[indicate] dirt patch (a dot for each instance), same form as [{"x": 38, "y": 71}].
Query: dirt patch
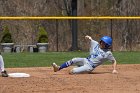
[{"x": 44, "y": 80}]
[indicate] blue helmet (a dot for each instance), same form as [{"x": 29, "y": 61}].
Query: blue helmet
[{"x": 107, "y": 40}]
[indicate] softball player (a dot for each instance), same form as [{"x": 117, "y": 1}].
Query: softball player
[
  {"x": 99, "y": 53},
  {"x": 3, "y": 72}
]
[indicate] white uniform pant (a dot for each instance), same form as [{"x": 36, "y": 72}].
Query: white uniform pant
[
  {"x": 83, "y": 65},
  {"x": 1, "y": 64}
]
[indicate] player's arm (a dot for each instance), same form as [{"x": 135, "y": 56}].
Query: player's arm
[
  {"x": 93, "y": 43},
  {"x": 114, "y": 67}
]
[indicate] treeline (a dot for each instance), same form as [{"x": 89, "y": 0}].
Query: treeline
[{"x": 125, "y": 33}]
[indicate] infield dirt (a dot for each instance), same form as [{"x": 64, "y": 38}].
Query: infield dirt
[{"x": 44, "y": 80}]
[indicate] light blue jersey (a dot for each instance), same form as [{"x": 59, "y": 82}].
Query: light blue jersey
[{"x": 98, "y": 55}]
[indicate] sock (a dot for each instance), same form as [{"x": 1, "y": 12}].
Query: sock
[{"x": 66, "y": 64}]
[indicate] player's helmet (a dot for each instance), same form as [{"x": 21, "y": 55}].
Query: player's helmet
[{"x": 107, "y": 40}]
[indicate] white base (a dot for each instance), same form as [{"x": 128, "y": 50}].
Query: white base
[{"x": 18, "y": 75}]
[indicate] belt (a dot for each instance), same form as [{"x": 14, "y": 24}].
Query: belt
[{"x": 91, "y": 63}]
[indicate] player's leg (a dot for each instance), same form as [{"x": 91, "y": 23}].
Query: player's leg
[
  {"x": 76, "y": 61},
  {"x": 3, "y": 72},
  {"x": 86, "y": 68},
  {"x": 1, "y": 64}
]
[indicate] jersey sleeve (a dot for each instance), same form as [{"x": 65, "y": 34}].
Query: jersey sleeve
[
  {"x": 110, "y": 57},
  {"x": 93, "y": 45}
]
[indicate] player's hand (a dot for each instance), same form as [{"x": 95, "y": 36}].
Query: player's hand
[
  {"x": 115, "y": 71},
  {"x": 88, "y": 37}
]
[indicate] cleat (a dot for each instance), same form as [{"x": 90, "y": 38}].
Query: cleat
[
  {"x": 4, "y": 74},
  {"x": 55, "y": 67}
]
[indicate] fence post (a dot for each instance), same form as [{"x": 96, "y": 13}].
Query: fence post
[
  {"x": 111, "y": 27},
  {"x": 57, "y": 35}
]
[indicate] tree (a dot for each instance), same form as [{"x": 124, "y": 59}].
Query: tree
[
  {"x": 42, "y": 35},
  {"x": 7, "y": 38}
]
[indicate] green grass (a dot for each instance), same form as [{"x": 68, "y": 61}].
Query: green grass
[
  {"x": 46, "y": 59},
  {"x": 127, "y": 57}
]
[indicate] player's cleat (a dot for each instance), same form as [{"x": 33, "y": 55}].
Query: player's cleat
[
  {"x": 55, "y": 67},
  {"x": 4, "y": 74}
]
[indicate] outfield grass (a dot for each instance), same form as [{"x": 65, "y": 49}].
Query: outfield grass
[
  {"x": 46, "y": 59},
  {"x": 127, "y": 57}
]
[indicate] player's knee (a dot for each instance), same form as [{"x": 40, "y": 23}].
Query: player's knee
[
  {"x": 73, "y": 71},
  {"x": 77, "y": 71},
  {"x": 74, "y": 59}
]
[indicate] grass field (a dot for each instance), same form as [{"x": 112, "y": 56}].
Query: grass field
[{"x": 46, "y": 59}]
